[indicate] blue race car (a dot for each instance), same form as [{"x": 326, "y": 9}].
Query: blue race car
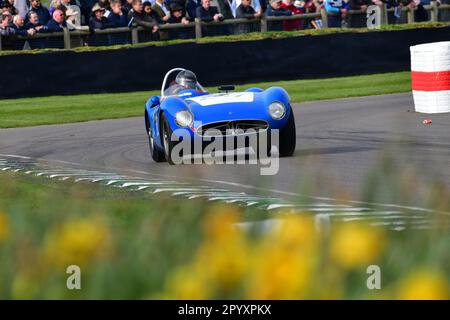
[{"x": 185, "y": 106}]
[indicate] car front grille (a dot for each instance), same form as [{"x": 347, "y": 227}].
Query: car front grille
[{"x": 232, "y": 128}]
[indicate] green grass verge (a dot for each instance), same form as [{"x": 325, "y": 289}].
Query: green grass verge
[
  {"x": 68, "y": 109},
  {"x": 247, "y": 37},
  {"x": 137, "y": 246}
]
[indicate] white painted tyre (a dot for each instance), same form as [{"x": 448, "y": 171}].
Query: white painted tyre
[{"x": 430, "y": 75}]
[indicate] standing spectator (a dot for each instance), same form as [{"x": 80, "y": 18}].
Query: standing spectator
[
  {"x": 19, "y": 25},
  {"x": 359, "y": 20},
  {"x": 5, "y": 21},
  {"x": 275, "y": 9},
  {"x": 340, "y": 8},
  {"x": 246, "y": 11},
  {"x": 56, "y": 4},
  {"x": 71, "y": 19},
  {"x": 138, "y": 17},
  {"x": 224, "y": 7},
  {"x": 148, "y": 11},
  {"x": 161, "y": 9},
  {"x": 176, "y": 14},
  {"x": 181, "y": 3},
  {"x": 33, "y": 22},
  {"x": 98, "y": 20},
  {"x": 57, "y": 23},
  {"x": 127, "y": 6},
  {"x": 8, "y": 7},
  {"x": 421, "y": 14},
  {"x": 191, "y": 8},
  {"x": 117, "y": 18},
  {"x": 105, "y": 5},
  {"x": 255, "y": 4},
  {"x": 86, "y": 7},
  {"x": 292, "y": 24},
  {"x": 42, "y": 12},
  {"x": 12, "y": 4},
  {"x": 6, "y": 31},
  {"x": 207, "y": 13}
]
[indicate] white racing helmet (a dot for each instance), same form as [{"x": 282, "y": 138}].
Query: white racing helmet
[{"x": 187, "y": 79}]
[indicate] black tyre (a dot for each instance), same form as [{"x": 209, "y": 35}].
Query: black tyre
[
  {"x": 288, "y": 137},
  {"x": 156, "y": 153},
  {"x": 166, "y": 134}
]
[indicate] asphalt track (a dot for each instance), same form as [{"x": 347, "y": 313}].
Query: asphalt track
[{"x": 339, "y": 142}]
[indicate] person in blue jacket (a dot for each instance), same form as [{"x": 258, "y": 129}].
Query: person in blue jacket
[
  {"x": 117, "y": 17},
  {"x": 340, "y": 9},
  {"x": 19, "y": 25},
  {"x": 57, "y": 23}
]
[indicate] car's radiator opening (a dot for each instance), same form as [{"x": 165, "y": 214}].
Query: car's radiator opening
[{"x": 233, "y": 127}]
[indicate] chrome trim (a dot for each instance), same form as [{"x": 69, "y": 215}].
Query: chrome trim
[{"x": 258, "y": 125}]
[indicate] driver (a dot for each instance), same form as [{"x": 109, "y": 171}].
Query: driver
[{"x": 186, "y": 80}]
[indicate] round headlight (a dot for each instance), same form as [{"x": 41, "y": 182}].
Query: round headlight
[
  {"x": 277, "y": 110},
  {"x": 184, "y": 118}
]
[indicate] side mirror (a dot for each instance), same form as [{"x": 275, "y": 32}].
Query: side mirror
[
  {"x": 226, "y": 88},
  {"x": 155, "y": 101}
]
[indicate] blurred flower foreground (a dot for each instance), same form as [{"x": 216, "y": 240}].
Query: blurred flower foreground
[{"x": 130, "y": 248}]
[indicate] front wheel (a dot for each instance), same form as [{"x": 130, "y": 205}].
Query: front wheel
[
  {"x": 288, "y": 137},
  {"x": 155, "y": 152},
  {"x": 166, "y": 132}
]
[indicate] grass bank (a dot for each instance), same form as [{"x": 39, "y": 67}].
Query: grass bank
[
  {"x": 67, "y": 109},
  {"x": 131, "y": 246}
]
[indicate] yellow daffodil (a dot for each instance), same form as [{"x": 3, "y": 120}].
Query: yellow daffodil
[
  {"x": 424, "y": 285},
  {"x": 223, "y": 264},
  {"x": 185, "y": 284},
  {"x": 220, "y": 223},
  {"x": 296, "y": 231},
  {"x": 353, "y": 245},
  {"x": 77, "y": 242},
  {"x": 279, "y": 274}
]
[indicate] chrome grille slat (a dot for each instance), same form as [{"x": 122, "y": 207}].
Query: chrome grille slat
[{"x": 223, "y": 126}]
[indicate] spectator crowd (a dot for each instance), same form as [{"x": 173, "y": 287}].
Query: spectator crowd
[{"x": 29, "y": 17}]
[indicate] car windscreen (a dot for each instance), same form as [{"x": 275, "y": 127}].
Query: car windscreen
[{"x": 172, "y": 88}]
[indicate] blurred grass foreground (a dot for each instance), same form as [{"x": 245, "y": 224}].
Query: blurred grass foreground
[{"x": 128, "y": 245}]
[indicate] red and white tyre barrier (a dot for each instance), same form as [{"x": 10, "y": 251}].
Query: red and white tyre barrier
[{"x": 430, "y": 77}]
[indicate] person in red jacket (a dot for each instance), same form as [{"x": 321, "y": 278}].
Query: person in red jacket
[{"x": 293, "y": 24}]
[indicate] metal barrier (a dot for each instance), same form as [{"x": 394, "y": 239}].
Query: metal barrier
[{"x": 82, "y": 36}]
